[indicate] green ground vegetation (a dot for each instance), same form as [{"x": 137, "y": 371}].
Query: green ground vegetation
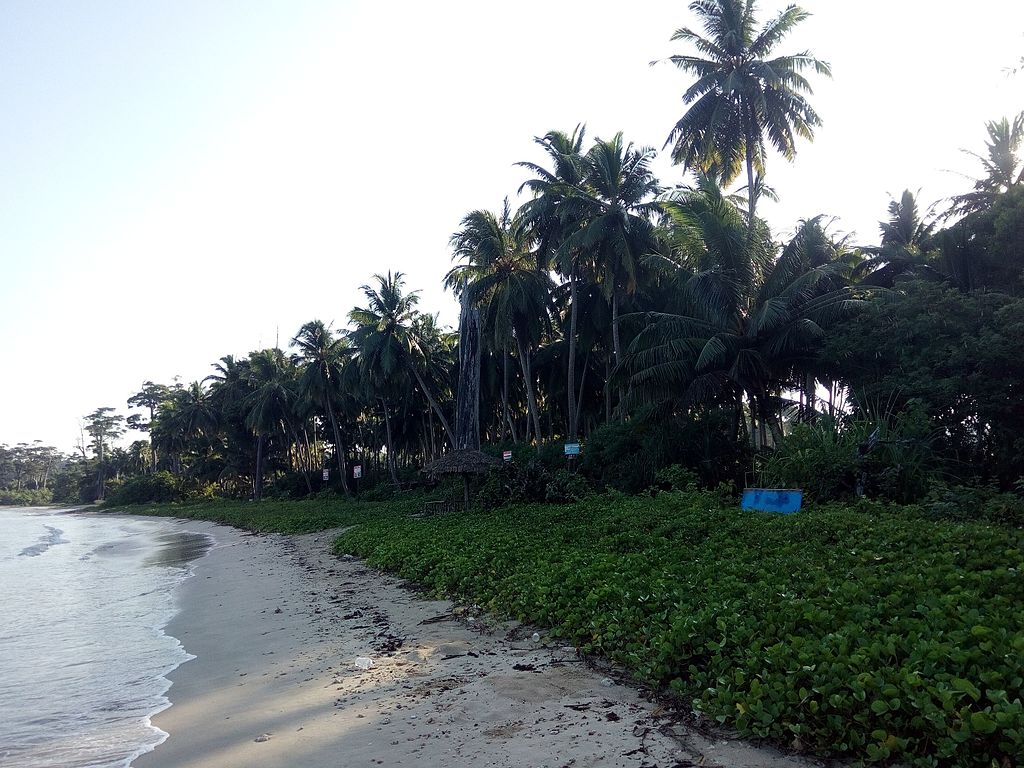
[{"x": 867, "y": 631}]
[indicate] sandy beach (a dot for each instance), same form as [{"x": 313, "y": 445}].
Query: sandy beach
[{"x": 276, "y": 624}]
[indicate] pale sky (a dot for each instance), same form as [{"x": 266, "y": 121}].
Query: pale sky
[{"x": 180, "y": 180}]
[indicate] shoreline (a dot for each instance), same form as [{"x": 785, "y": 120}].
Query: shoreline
[{"x": 275, "y": 624}]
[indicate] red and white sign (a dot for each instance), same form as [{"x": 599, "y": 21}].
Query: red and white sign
[{"x": 507, "y": 455}]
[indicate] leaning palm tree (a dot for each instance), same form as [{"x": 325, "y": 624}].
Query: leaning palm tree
[
  {"x": 322, "y": 354},
  {"x": 742, "y": 97},
  {"x": 500, "y": 275}
]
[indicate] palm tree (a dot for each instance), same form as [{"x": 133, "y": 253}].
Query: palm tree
[
  {"x": 743, "y": 325},
  {"x": 741, "y": 96},
  {"x": 903, "y": 251},
  {"x": 1002, "y": 164},
  {"x": 323, "y": 355},
  {"x": 502, "y": 278},
  {"x": 554, "y": 215},
  {"x": 617, "y": 214},
  {"x": 388, "y": 347},
  {"x": 269, "y": 406}
]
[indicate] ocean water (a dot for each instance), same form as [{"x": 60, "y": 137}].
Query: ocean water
[{"x": 83, "y": 656}]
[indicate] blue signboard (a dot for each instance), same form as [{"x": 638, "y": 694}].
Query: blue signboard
[
  {"x": 783, "y": 500},
  {"x": 572, "y": 449}
]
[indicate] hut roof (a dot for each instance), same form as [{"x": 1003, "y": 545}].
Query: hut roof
[{"x": 462, "y": 462}]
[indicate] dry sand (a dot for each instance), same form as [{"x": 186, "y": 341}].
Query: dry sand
[{"x": 276, "y": 624}]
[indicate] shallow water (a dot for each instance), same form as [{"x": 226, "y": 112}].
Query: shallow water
[{"x": 83, "y": 655}]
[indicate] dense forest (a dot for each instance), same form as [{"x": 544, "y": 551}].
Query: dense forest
[{"x": 660, "y": 327}]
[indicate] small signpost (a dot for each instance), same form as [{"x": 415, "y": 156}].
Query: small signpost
[
  {"x": 327, "y": 475},
  {"x": 357, "y": 471},
  {"x": 506, "y": 455},
  {"x": 572, "y": 449}
]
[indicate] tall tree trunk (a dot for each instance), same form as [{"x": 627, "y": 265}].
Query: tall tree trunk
[
  {"x": 751, "y": 194},
  {"x": 433, "y": 404},
  {"x": 339, "y": 449},
  {"x": 467, "y": 397},
  {"x": 579, "y": 400},
  {"x": 607, "y": 390},
  {"x": 504, "y": 398},
  {"x": 531, "y": 400},
  {"x": 257, "y": 480},
  {"x": 391, "y": 446},
  {"x": 433, "y": 438},
  {"x": 573, "y": 311},
  {"x": 615, "y": 326}
]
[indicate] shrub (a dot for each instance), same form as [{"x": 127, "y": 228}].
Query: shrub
[
  {"x": 676, "y": 478},
  {"x": 565, "y": 486},
  {"x": 146, "y": 489},
  {"x": 626, "y": 456},
  {"x": 985, "y": 504},
  {"x": 829, "y": 459},
  {"x": 514, "y": 482},
  {"x": 25, "y": 497}
]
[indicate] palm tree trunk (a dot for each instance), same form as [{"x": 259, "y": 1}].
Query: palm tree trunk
[
  {"x": 391, "y": 446},
  {"x": 573, "y": 310},
  {"x": 506, "y": 413},
  {"x": 531, "y": 400},
  {"x": 579, "y": 400},
  {"x": 339, "y": 449},
  {"x": 257, "y": 481},
  {"x": 751, "y": 195},
  {"x": 615, "y": 326},
  {"x": 607, "y": 390},
  {"x": 434, "y": 405}
]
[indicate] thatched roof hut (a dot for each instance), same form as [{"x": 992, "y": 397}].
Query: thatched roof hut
[{"x": 465, "y": 462}]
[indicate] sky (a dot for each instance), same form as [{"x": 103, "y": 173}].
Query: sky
[{"x": 182, "y": 180}]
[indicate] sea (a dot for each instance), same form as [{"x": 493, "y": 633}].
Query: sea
[{"x": 84, "y": 658}]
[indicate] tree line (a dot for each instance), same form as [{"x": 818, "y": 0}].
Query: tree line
[{"x": 610, "y": 302}]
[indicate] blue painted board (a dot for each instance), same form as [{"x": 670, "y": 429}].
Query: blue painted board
[
  {"x": 572, "y": 449},
  {"x": 783, "y": 500}
]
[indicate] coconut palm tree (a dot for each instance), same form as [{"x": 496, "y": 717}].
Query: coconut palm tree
[
  {"x": 617, "y": 212},
  {"x": 323, "y": 355},
  {"x": 500, "y": 274},
  {"x": 743, "y": 326},
  {"x": 389, "y": 349},
  {"x": 1002, "y": 163},
  {"x": 553, "y": 215},
  {"x": 903, "y": 252},
  {"x": 741, "y": 96},
  {"x": 270, "y": 406}
]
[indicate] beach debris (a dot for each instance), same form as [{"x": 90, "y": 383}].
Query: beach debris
[
  {"x": 536, "y": 637},
  {"x": 277, "y": 610},
  {"x": 364, "y": 662},
  {"x": 262, "y": 737},
  {"x": 607, "y": 682}
]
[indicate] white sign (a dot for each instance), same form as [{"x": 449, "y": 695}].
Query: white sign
[
  {"x": 357, "y": 471},
  {"x": 327, "y": 475}
]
